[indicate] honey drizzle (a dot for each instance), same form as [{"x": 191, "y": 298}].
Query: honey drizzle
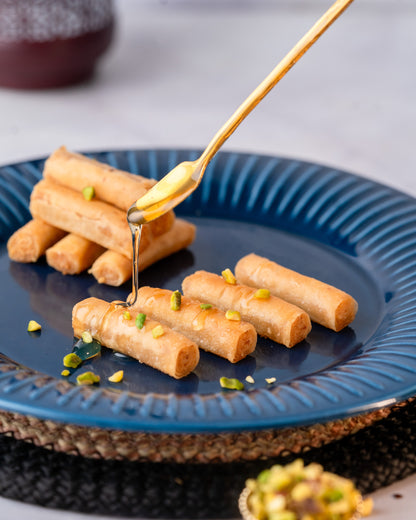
[{"x": 136, "y": 233}]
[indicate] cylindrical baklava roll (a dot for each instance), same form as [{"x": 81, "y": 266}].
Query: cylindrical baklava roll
[
  {"x": 92, "y": 219},
  {"x": 180, "y": 236},
  {"x": 73, "y": 254},
  {"x": 114, "y": 269},
  {"x": 208, "y": 328},
  {"x": 170, "y": 352},
  {"x": 111, "y": 185},
  {"x": 325, "y": 304},
  {"x": 117, "y": 187},
  {"x": 272, "y": 317},
  {"x": 31, "y": 241}
]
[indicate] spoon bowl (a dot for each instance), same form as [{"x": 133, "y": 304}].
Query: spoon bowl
[{"x": 170, "y": 191}]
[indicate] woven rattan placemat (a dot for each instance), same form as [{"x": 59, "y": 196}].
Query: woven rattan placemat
[
  {"x": 181, "y": 448},
  {"x": 375, "y": 456}
]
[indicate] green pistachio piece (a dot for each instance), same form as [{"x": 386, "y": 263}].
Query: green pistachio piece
[
  {"x": 175, "y": 301},
  {"x": 228, "y": 276},
  {"x": 88, "y": 378},
  {"x": 262, "y": 294},
  {"x": 86, "y": 337},
  {"x": 88, "y": 192},
  {"x": 140, "y": 319},
  {"x": 158, "y": 331},
  {"x": 233, "y": 315},
  {"x": 231, "y": 383},
  {"x": 333, "y": 495},
  {"x": 72, "y": 360}
]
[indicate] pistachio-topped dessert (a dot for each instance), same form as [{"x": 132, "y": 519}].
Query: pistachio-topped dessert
[{"x": 298, "y": 492}]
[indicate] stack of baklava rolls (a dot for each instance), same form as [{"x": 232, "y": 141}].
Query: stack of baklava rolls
[{"x": 79, "y": 221}]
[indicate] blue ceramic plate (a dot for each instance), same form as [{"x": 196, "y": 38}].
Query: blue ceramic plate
[{"x": 340, "y": 228}]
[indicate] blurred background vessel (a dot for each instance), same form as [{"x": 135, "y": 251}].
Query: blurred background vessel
[{"x": 52, "y": 43}]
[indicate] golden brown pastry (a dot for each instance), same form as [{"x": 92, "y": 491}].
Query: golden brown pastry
[
  {"x": 116, "y": 187},
  {"x": 272, "y": 317},
  {"x": 208, "y": 328},
  {"x": 95, "y": 220},
  {"x": 170, "y": 352},
  {"x": 325, "y": 304},
  {"x": 73, "y": 254},
  {"x": 114, "y": 269},
  {"x": 31, "y": 241}
]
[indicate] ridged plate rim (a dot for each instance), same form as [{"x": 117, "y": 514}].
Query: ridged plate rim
[{"x": 342, "y": 210}]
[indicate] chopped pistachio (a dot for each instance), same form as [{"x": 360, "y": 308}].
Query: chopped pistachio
[
  {"x": 231, "y": 383},
  {"x": 126, "y": 315},
  {"x": 140, "y": 319},
  {"x": 205, "y": 306},
  {"x": 65, "y": 372},
  {"x": 72, "y": 360},
  {"x": 270, "y": 380},
  {"x": 228, "y": 276},
  {"x": 158, "y": 331},
  {"x": 117, "y": 377},
  {"x": 333, "y": 495},
  {"x": 233, "y": 315},
  {"x": 262, "y": 294},
  {"x": 33, "y": 326},
  {"x": 250, "y": 379},
  {"x": 86, "y": 337},
  {"x": 88, "y": 192},
  {"x": 88, "y": 378},
  {"x": 263, "y": 476},
  {"x": 175, "y": 301}
]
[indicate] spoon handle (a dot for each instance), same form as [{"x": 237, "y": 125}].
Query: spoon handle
[{"x": 273, "y": 78}]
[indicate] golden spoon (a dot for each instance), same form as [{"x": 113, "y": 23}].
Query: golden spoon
[{"x": 186, "y": 176}]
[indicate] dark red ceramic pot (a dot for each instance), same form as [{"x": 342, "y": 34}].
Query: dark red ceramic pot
[{"x": 52, "y": 43}]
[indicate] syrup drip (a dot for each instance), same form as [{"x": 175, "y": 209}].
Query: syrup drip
[{"x": 136, "y": 232}]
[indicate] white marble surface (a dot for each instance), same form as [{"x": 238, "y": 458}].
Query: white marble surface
[{"x": 178, "y": 69}]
